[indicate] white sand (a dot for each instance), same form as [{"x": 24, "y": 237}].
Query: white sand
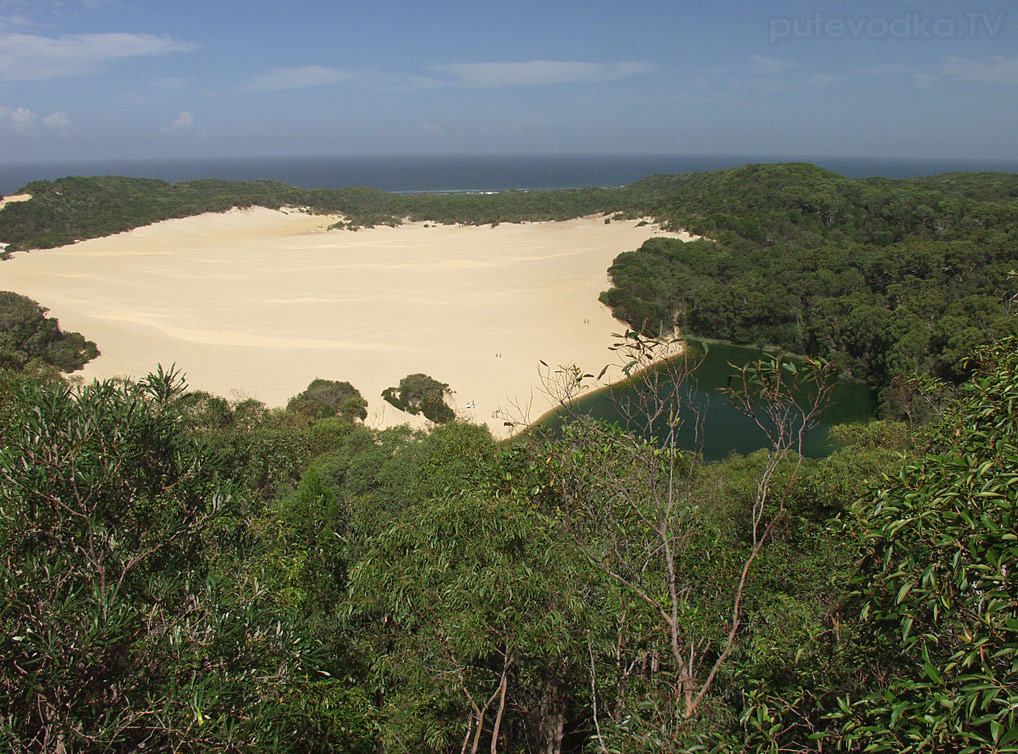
[
  {"x": 14, "y": 198},
  {"x": 257, "y": 303}
]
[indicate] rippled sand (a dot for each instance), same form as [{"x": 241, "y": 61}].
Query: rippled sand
[{"x": 257, "y": 303}]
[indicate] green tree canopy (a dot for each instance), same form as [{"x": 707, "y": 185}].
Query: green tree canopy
[
  {"x": 478, "y": 615},
  {"x": 420, "y": 394},
  {"x": 27, "y": 334},
  {"x": 325, "y": 398}
]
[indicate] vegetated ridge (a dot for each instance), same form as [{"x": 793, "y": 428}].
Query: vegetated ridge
[{"x": 887, "y": 278}]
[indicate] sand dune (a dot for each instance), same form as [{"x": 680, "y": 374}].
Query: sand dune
[
  {"x": 11, "y": 198},
  {"x": 257, "y": 303}
]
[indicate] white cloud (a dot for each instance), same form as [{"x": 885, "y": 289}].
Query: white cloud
[
  {"x": 21, "y": 118},
  {"x": 824, "y": 79},
  {"x": 996, "y": 70},
  {"x": 539, "y": 73},
  {"x": 889, "y": 70},
  {"x": 431, "y": 128},
  {"x": 755, "y": 67},
  {"x": 397, "y": 83},
  {"x": 918, "y": 77},
  {"x": 30, "y": 57},
  {"x": 759, "y": 73},
  {"x": 761, "y": 65},
  {"x": 42, "y": 12},
  {"x": 59, "y": 119},
  {"x": 56, "y": 5},
  {"x": 182, "y": 122},
  {"x": 304, "y": 77},
  {"x": 14, "y": 21},
  {"x": 475, "y": 75},
  {"x": 169, "y": 83}
]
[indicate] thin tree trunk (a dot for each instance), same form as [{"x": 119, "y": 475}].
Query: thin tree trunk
[
  {"x": 466, "y": 738},
  {"x": 593, "y": 697},
  {"x": 501, "y": 708}
]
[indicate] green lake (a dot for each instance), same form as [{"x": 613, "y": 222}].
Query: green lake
[{"x": 725, "y": 429}]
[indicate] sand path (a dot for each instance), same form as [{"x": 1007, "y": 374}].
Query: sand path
[
  {"x": 257, "y": 303},
  {"x": 10, "y": 199}
]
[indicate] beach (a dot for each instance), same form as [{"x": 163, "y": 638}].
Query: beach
[{"x": 257, "y": 303}]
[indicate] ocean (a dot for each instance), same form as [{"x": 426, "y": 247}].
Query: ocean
[{"x": 475, "y": 173}]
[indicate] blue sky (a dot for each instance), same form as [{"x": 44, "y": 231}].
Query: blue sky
[{"x": 93, "y": 79}]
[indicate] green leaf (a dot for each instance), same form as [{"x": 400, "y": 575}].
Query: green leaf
[
  {"x": 1011, "y": 735},
  {"x": 903, "y": 592},
  {"x": 933, "y": 674}
]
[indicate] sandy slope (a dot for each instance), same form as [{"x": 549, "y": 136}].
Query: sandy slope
[
  {"x": 10, "y": 199},
  {"x": 257, "y": 303}
]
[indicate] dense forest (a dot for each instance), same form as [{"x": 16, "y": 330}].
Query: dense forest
[
  {"x": 888, "y": 279},
  {"x": 29, "y": 340},
  {"x": 179, "y": 572}
]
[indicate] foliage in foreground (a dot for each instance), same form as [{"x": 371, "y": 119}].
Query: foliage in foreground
[
  {"x": 917, "y": 651},
  {"x": 480, "y": 612},
  {"x": 122, "y": 625},
  {"x": 190, "y": 574},
  {"x": 939, "y": 585}
]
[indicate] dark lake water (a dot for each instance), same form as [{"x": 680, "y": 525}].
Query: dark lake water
[{"x": 725, "y": 429}]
